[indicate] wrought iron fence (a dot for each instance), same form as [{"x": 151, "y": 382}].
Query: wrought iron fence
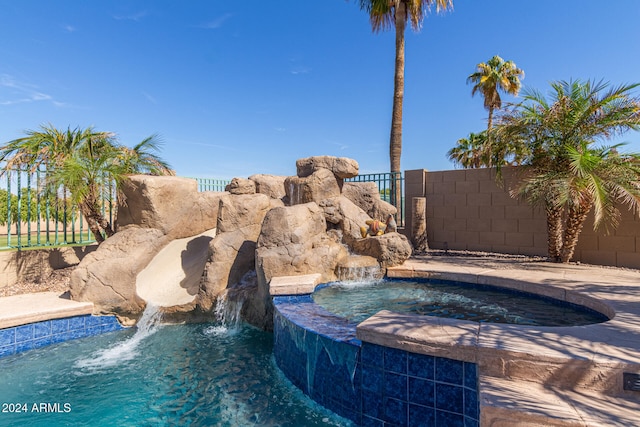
[
  {"x": 31, "y": 216},
  {"x": 391, "y": 188},
  {"x": 212, "y": 184}
]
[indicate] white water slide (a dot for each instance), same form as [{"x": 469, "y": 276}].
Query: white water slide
[{"x": 173, "y": 275}]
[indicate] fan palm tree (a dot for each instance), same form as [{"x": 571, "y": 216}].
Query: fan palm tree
[
  {"x": 387, "y": 14},
  {"x": 564, "y": 172},
  {"x": 384, "y": 15},
  {"x": 84, "y": 163},
  {"x": 494, "y": 76},
  {"x": 470, "y": 152}
]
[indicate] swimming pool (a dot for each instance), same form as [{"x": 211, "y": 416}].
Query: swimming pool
[
  {"x": 199, "y": 375},
  {"x": 356, "y": 301}
]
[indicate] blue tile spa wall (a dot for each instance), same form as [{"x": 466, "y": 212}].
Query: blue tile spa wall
[
  {"x": 370, "y": 384},
  {"x": 39, "y": 334}
]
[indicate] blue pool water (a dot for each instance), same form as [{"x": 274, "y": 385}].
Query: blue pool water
[
  {"x": 198, "y": 375},
  {"x": 358, "y": 301}
]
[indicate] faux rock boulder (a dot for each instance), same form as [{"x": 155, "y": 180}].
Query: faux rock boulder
[
  {"x": 390, "y": 249},
  {"x": 319, "y": 185},
  {"x": 241, "y": 186},
  {"x": 232, "y": 252},
  {"x": 167, "y": 203},
  {"x": 271, "y": 185},
  {"x": 155, "y": 211},
  {"x": 341, "y": 167},
  {"x": 367, "y": 197},
  {"x": 293, "y": 241},
  {"x": 107, "y": 277}
]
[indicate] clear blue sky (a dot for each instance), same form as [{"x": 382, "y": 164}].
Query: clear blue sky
[{"x": 236, "y": 88}]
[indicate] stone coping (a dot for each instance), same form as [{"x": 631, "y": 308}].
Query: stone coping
[
  {"x": 613, "y": 344},
  {"x": 294, "y": 285},
  {"x": 23, "y": 309}
]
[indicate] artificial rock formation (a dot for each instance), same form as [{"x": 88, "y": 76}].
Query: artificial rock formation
[
  {"x": 260, "y": 228},
  {"x": 152, "y": 213}
]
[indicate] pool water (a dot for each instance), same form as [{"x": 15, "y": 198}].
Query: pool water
[
  {"x": 197, "y": 375},
  {"x": 357, "y": 301}
]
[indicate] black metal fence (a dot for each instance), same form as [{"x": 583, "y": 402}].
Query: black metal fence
[{"x": 32, "y": 217}]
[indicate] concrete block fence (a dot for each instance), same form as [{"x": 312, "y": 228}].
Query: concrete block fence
[{"x": 467, "y": 210}]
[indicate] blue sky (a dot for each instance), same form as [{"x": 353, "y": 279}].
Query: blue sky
[{"x": 236, "y": 88}]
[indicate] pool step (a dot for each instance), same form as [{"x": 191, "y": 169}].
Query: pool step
[{"x": 507, "y": 403}]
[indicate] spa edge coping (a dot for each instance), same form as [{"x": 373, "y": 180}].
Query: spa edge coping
[
  {"x": 18, "y": 310},
  {"x": 597, "y": 354}
]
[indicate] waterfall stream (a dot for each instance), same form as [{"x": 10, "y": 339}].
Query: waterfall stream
[{"x": 147, "y": 325}]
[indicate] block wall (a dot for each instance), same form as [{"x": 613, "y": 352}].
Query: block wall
[{"x": 468, "y": 210}]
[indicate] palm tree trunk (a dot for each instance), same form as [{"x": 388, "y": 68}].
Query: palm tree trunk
[
  {"x": 91, "y": 222},
  {"x": 490, "y": 120},
  {"x": 576, "y": 217},
  {"x": 554, "y": 232},
  {"x": 395, "y": 142}
]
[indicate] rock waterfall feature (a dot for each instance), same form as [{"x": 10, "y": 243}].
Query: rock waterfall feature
[{"x": 183, "y": 250}]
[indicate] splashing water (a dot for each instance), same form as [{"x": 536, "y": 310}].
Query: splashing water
[{"x": 147, "y": 325}]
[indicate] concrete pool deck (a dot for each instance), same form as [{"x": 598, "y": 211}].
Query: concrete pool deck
[
  {"x": 23, "y": 309},
  {"x": 547, "y": 376}
]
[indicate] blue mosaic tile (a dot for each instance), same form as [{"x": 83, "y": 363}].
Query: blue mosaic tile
[
  {"x": 7, "y": 336},
  {"x": 449, "y": 370},
  {"x": 471, "y": 375},
  {"x": 471, "y": 407},
  {"x": 372, "y": 354},
  {"x": 395, "y": 360},
  {"x": 449, "y": 397},
  {"x": 58, "y": 338},
  {"x": 77, "y": 322},
  {"x": 389, "y": 387},
  {"x": 42, "y": 329},
  {"x": 372, "y": 379},
  {"x": 7, "y": 350},
  {"x": 396, "y": 411},
  {"x": 469, "y": 422},
  {"x": 420, "y": 365},
  {"x": 420, "y": 416},
  {"x": 395, "y": 385},
  {"x": 59, "y": 326},
  {"x": 371, "y": 422},
  {"x": 93, "y": 321},
  {"x": 371, "y": 404},
  {"x": 24, "y": 333},
  {"x": 422, "y": 392},
  {"x": 449, "y": 419}
]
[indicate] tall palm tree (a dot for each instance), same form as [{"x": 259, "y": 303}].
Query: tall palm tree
[
  {"x": 564, "y": 172},
  {"x": 387, "y": 14},
  {"x": 83, "y": 162},
  {"x": 384, "y": 15},
  {"x": 494, "y": 76}
]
